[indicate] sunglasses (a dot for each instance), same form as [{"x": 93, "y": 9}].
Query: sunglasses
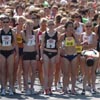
[
  {"x": 88, "y": 25},
  {"x": 77, "y": 17},
  {"x": 17, "y": 23},
  {"x": 5, "y": 21},
  {"x": 50, "y": 24},
  {"x": 70, "y": 26},
  {"x": 34, "y": 18}
]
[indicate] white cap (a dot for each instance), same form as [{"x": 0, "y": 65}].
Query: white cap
[
  {"x": 31, "y": 7},
  {"x": 3, "y": 16},
  {"x": 63, "y": 2}
]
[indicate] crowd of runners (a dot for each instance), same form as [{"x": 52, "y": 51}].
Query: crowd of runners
[{"x": 53, "y": 38}]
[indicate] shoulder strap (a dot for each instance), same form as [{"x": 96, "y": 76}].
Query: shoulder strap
[
  {"x": 25, "y": 36},
  {"x": 25, "y": 32},
  {"x": 65, "y": 36},
  {"x": 2, "y": 31}
]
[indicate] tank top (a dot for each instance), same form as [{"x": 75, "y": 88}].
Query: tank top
[
  {"x": 89, "y": 38},
  {"x": 31, "y": 40},
  {"x": 79, "y": 29},
  {"x": 51, "y": 42},
  {"x": 6, "y": 39},
  {"x": 19, "y": 40}
]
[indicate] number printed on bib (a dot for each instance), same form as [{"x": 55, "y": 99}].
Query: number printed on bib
[
  {"x": 6, "y": 40},
  {"x": 79, "y": 49},
  {"x": 69, "y": 41},
  {"x": 31, "y": 41},
  {"x": 50, "y": 43}
]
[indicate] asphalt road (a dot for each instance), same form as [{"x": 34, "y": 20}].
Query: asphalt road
[{"x": 56, "y": 94}]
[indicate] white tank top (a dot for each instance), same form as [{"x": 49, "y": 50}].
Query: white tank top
[
  {"x": 88, "y": 38},
  {"x": 79, "y": 29}
]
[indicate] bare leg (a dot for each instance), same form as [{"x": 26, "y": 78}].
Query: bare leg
[
  {"x": 40, "y": 70},
  {"x": 3, "y": 71},
  {"x": 10, "y": 65},
  {"x": 33, "y": 65},
  {"x": 73, "y": 73},
  {"x": 45, "y": 71},
  {"x": 26, "y": 65},
  {"x": 65, "y": 72},
  {"x": 51, "y": 71},
  {"x": 57, "y": 73}
]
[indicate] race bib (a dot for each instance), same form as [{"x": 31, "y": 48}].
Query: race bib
[
  {"x": 19, "y": 39},
  {"x": 79, "y": 49},
  {"x": 31, "y": 41},
  {"x": 50, "y": 43},
  {"x": 69, "y": 41},
  {"x": 6, "y": 40}
]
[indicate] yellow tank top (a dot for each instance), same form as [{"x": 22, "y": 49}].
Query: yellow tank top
[{"x": 69, "y": 41}]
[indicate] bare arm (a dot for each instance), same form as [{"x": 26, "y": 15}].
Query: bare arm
[
  {"x": 37, "y": 43},
  {"x": 0, "y": 38},
  {"x": 42, "y": 45},
  {"x": 95, "y": 30},
  {"x": 15, "y": 42}
]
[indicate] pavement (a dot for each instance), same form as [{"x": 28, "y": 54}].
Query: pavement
[{"x": 56, "y": 94}]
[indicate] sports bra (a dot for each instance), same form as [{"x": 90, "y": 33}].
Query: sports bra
[{"x": 69, "y": 41}]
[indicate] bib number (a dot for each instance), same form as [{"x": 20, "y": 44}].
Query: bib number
[
  {"x": 31, "y": 41},
  {"x": 50, "y": 43},
  {"x": 6, "y": 40},
  {"x": 79, "y": 49},
  {"x": 69, "y": 41}
]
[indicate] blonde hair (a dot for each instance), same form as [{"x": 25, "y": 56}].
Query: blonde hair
[
  {"x": 43, "y": 20},
  {"x": 21, "y": 18},
  {"x": 28, "y": 22},
  {"x": 63, "y": 20}
]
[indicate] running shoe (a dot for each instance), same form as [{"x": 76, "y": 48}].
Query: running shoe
[
  {"x": 50, "y": 92},
  {"x": 32, "y": 91},
  {"x": 93, "y": 91},
  {"x": 83, "y": 92},
  {"x": 3, "y": 92},
  {"x": 27, "y": 92},
  {"x": 46, "y": 92},
  {"x": 11, "y": 92}
]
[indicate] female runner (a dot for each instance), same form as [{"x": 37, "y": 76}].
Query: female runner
[
  {"x": 49, "y": 55},
  {"x": 69, "y": 56}
]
